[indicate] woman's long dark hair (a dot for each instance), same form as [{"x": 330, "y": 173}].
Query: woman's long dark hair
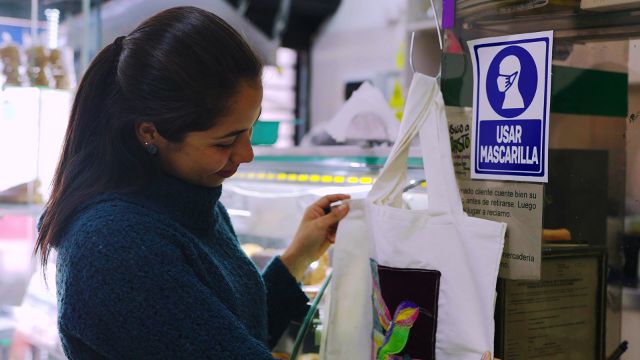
[{"x": 179, "y": 69}]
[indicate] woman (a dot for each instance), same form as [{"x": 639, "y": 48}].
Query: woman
[{"x": 148, "y": 263}]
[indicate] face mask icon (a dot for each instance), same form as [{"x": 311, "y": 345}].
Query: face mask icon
[{"x": 506, "y": 81}]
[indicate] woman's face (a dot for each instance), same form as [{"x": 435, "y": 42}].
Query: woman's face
[{"x": 208, "y": 157}]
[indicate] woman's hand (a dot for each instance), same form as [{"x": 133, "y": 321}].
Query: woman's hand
[
  {"x": 487, "y": 356},
  {"x": 317, "y": 231}
]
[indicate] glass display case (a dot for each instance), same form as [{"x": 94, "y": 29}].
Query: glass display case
[
  {"x": 32, "y": 126},
  {"x": 35, "y": 102},
  {"x": 266, "y": 200}
]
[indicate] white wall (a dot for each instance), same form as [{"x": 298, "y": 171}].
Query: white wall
[
  {"x": 356, "y": 15},
  {"x": 361, "y": 41}
]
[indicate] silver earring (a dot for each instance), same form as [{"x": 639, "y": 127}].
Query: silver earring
[{"x": 151, "y": 149}]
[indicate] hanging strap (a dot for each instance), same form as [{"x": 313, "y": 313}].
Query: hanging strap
[
  {"x": 424, "y": 116},
  {"x": 442, "y": 186}
]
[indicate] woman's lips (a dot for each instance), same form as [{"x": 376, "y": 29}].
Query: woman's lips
[{"x": 227, "y": 173}]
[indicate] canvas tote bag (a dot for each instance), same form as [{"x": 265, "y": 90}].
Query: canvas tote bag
[{"x": 414, "y": 284}]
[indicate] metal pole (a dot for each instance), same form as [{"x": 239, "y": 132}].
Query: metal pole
[
  {"x": 31, "y": 187},
  {"x": 243, "y": 6},
  {"x": 86, "y": 35},
  {"x": 98, "y": 8},
  {"x": 302, "y": 112},
  {"x": 34, "y": 20},
  {"x": 281, "y": 20}
]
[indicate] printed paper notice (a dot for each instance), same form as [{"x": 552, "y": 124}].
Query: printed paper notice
[
  {"x": 519, "y": 205},
  {"x": 555, "y": 318}
]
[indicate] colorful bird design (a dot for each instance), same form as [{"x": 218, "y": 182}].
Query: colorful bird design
[{"x": 390, "y": 334}]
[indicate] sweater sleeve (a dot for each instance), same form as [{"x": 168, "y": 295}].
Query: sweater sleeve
[
  {"x": 133, "y": 296},
  {"x": 285, "y": 299}
]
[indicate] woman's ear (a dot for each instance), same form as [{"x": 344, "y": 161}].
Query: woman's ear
[{"x": 146, "y": 133}]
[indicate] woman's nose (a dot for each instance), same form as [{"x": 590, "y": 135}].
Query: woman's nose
[{"x": 243, "y": 152}]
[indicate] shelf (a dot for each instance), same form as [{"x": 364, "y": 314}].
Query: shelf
[
  {"x": 567, "y": 25},
  {"x": 421, "y": 25},
  {"x": 118, "y": 17},
  {"x": 608, "y": 5},
  {"x": 330, "y": 151},
  {"x": 21, "y": 209},
  {"x": 565, "y": 17},
  {"x": 571, "y": 89},
  {"x": 631, "y": 298}
]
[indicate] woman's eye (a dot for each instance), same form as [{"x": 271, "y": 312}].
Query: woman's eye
[{"x": 224, "y": 146}]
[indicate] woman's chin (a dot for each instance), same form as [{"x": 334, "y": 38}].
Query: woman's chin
[{"x": 214, "y": 181}]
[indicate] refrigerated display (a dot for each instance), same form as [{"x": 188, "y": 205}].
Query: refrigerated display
[
  {"x": 32, "y": 126},
  {"x": 266, "y": 200}
]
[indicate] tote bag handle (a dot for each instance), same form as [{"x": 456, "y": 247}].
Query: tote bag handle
[{"x": 424, "y": 116}]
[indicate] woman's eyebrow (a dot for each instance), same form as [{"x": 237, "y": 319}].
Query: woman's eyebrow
[
  {"x": 238, "y": 132},
  {"x": 232, "y": 133}
]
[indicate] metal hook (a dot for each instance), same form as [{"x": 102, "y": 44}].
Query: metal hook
[
  {"x": 413, "y": 36},
  {"x": 435, "y": 15}
]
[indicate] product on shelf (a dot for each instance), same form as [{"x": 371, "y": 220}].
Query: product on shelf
[
  {"x": 38, "y": 66},
  {"x": 309, "y": 356},
  {"x": 22, "y": 194},
  {"x": 58, "y": 70},
  {"x": 556, "y": 235},
  {"x": 10, "y": 54},
  {"x": 42, "y": 67},
  {"x": 250, "y": 249},
  {"x": 317, "y": 272}
]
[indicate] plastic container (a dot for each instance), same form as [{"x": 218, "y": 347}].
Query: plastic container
[{"x": 265, "y": 133}]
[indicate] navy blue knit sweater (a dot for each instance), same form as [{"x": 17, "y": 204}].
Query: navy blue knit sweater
[{"x": 160, "y": 275}]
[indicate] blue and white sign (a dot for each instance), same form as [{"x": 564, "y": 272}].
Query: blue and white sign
[{"x": 511, "y": 94}]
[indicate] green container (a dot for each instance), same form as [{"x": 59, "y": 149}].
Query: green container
[{"x": 265, "y": 133}]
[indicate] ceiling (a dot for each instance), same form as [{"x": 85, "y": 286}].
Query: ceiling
[
  {"x": 22, "y": 8},
  {"x": 304, "y": 19}
]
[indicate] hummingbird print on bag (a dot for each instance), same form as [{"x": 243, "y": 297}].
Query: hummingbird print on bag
[{"x": 390, "y": 334}]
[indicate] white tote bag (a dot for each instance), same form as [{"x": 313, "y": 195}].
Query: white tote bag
[
  {"x": 347, "y": 318},
  {"x": 428, "y": 289}
]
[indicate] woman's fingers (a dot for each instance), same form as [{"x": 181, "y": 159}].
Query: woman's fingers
[
  {"x": 331, "y": 219},
  {"x": 327, "y": 200},
  {"x": 331, "y": 233}
]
